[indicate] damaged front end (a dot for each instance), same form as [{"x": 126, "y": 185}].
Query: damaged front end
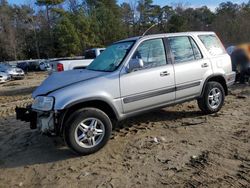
[
  {"x": 27, "y": 115},
  {"x": 47, "y": 122},
  {"x": 41, "y": 116}
]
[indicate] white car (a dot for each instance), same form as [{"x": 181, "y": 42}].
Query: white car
[
  {"x": 4, "y": 77},
  {"x": 60, "y": 65},
  {"x": 14, "y": 72}
]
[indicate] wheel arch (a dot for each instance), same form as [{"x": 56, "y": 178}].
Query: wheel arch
[
  {"x": 216, "y": 78},
  {"x": 95, "y": 103}
]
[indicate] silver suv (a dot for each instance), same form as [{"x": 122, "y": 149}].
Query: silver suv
[{"x": 130, "y": 77}]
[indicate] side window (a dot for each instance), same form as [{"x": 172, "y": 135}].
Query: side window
[
  {"x": 181, "y": 49},
  {"x": 152, "y": 52},
  {"x": 89, "y": 54},
  {"x": 212, "y": 44},
  {"x": 197, "y": 52}
]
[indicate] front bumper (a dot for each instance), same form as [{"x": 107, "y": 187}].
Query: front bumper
[
  {"x": 4, "y": 79},
  {"x": 49, "y": 123},
  {"x": 17, "y": 76},
  {"x": 27, "y": 115}
]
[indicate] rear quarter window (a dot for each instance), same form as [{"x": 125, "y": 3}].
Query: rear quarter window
[{"x": 212, "y": 44}]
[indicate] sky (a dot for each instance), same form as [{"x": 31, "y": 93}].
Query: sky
[{"x": 212, "y": 4}]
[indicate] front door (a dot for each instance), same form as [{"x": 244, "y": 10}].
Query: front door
[{"x": 152, "y": 85}]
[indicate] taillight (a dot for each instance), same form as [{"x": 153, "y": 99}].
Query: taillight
[{"x": 60, "y": 67}]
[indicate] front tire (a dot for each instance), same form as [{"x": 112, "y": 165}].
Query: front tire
[
  {"x": 212, "y": 99},
  {"x": 87, "y": 131}
]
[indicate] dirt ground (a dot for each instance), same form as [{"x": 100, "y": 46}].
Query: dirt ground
[{"x": 172, "y": 147}]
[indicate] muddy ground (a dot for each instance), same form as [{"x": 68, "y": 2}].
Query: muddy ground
[{"x": 172, "y": 147}]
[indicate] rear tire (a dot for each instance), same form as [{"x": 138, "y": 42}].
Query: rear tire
[
  {"x": 87, "y": 131},
  {"x": 212, "y": 99}
]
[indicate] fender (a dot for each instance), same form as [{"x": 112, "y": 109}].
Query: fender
[
  {"x": 93, "y": 99},
  {"x": 62, "y": 115},
  {"x": 215, "y": 76}
]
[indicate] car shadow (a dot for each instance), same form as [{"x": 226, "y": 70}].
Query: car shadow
[
  {"x": 35, "y": 149},
  {"x": 32, "y": 148}
]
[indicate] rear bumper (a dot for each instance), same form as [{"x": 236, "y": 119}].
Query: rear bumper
[
  {"x": 27, "y": 115},
  {"x": 230, "y": 78}
]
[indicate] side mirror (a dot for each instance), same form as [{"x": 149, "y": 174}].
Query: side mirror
[{"x": 135, "y": 64}]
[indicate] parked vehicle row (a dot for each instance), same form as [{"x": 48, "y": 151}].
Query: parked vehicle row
[
  {"x": 34, "y": 65},
  {"x": 58, "y": 64},
  {"x": 9, "y": 72}
]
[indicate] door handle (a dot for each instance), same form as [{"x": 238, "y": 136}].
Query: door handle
[
  {"x": 164, "y": 73},
  {"x": 204, "y": 65}
]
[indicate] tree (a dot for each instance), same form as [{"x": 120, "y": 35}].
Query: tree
[
  {"x": 106, "y": 22},
  {"x": 144, "y": 7},
  {"x": 49, "y": 4},
  {"x": 177, "y": 23},
  {"x": 56, "y": 30},
  {"x": 128, "y": 18},
  {"x": 227, "y": 23},
  {"x": 68, "y": 43},
  {"x": 84, "y": 28},
  {"x": 48, "y": 42}
]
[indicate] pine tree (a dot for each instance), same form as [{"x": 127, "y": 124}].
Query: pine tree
[{"x": 67, "y": 40}]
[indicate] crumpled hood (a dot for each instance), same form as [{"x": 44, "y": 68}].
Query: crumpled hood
[{"x": 63, "y": 79}]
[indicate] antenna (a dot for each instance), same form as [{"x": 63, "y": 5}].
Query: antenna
[{"x": 149, "y": 29}]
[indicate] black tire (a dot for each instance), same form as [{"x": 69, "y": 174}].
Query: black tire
[
  {"x": 73, "y": 123},
  {"x": 203, "y": 101}
]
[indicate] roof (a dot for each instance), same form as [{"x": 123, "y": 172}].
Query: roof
[{"x": 168, "y": 35}]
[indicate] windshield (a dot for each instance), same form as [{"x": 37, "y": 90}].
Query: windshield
[{"x": 111, "y": 58}]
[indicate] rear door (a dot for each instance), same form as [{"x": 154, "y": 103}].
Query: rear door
[
  {"x": 152, "y": 85},
  {"x": 190, "y": 66},
  {"x": 221, "y": 61}
]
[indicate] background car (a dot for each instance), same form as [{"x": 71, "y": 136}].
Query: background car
[
  {"x": 23, "y": 65},
  {"x": 14, "y": 72},
  {"x": 4, "y": 77},
  {"x": 80, "y": 62},
  {"x": 45, "y": 66}
]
